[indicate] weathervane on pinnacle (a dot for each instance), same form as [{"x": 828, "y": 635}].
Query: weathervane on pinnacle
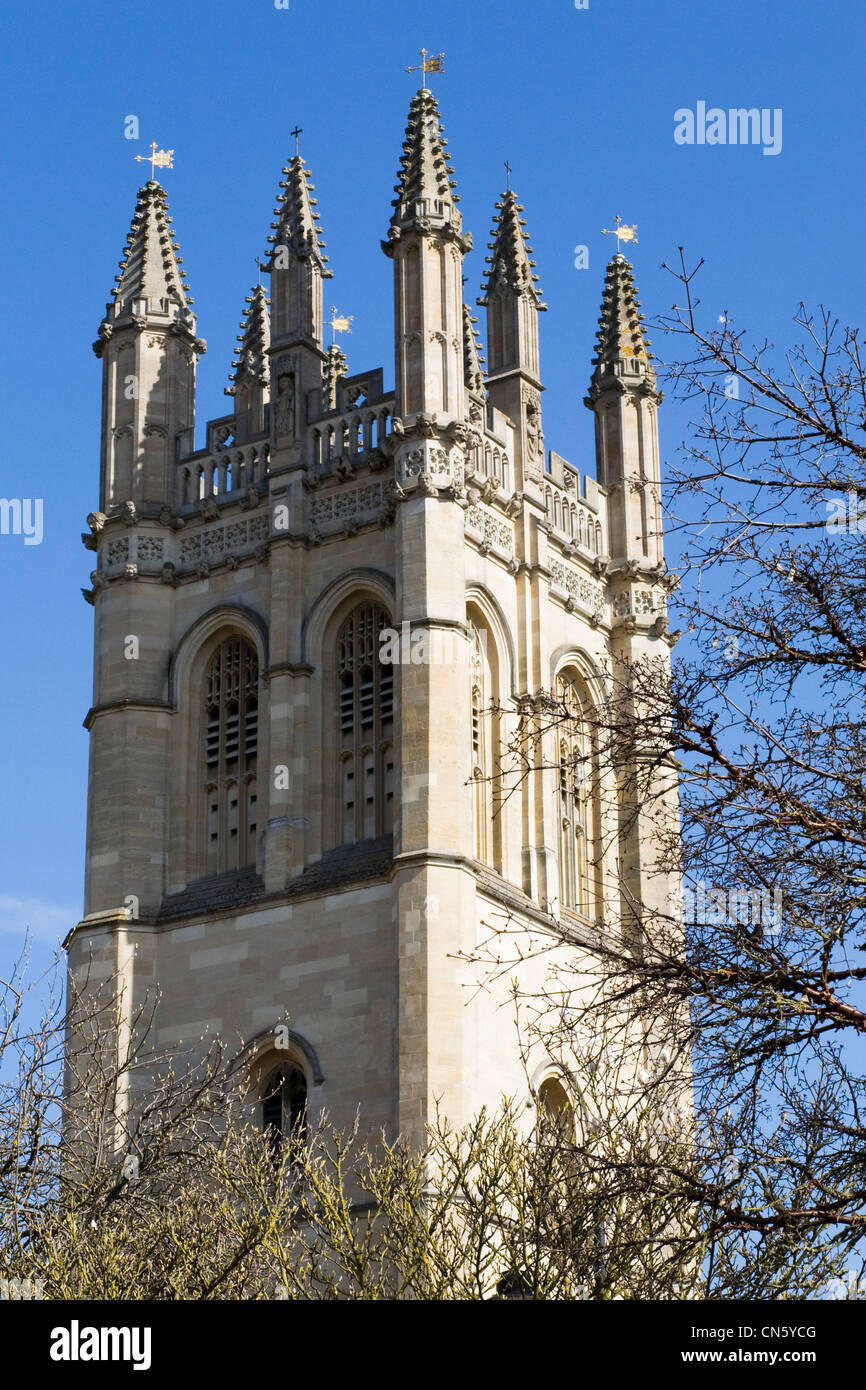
[
  {"x": 157, "y": 159},
  {"x": 340, "y": 323},
  {"x": 621, "y": 232},
  {"x": 431, "y": 64}
]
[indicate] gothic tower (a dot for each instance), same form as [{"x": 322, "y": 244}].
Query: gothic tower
[{"x": 315, "y": 636}]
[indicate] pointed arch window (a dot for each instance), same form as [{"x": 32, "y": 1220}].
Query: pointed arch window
[
  {"x": 283, "y": 1106},
  {"x": 231, "y": 730},
  {"x": 366, "y": 727},
  {"x": 485, "y": 762},
  {"x": 577, "y": 798},
  {"x": 480, "y": 777}
]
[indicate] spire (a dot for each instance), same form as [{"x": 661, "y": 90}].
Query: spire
[
  {"x": 427, "y": 244},
  {"x": 512, "y": 298},
  {"x": 251, "y": 364},
  {"x": 298, "y": 266},
  {"x": 148, "y": 346},
  {"x": 624, "y": 399},
  {"x": 473, "y": 358},
  {"x": 297, "y": 222},
  {"x": 510, "y": 264},
  {"x": 425, "y": 192},
  {"x": 151, "y": 268},
  {"x": 622, "y": 347}
]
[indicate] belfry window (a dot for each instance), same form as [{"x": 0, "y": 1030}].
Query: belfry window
[
  {"x": 231, "y": 727},
  {"x": 577, "y": 800},
  {"x": 365, "y": 716}
]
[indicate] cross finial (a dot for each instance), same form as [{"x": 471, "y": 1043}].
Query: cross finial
[
  {"x": 508, "y": 175},
  {"x": 429, "y": 64},
  {"x": 621, "y": 232},
  {"x": 156, "y": 159},
  {"x": 297, "y": 132}
]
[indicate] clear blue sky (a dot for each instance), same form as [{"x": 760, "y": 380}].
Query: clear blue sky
[{"x": 580, "y": 101}]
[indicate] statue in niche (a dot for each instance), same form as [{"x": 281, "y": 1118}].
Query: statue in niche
[
  {"x": 285, "y": 411},
  {"x": 534, "y": 440},
  {"x": 533, "y": 432}
]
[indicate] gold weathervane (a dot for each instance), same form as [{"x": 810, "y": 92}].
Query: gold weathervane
[
  {"x": 621, "y": 232},
  {"x": 157, "y": 159},
  {"x": 340, "y": 323},
  {"x": 431, "y": 64}
]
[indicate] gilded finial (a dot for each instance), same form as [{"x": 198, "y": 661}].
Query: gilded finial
[
  {"x": 157, "y": 159},
  {"x": 429, "y": 64},
  {"x": 621, "y": 232}
]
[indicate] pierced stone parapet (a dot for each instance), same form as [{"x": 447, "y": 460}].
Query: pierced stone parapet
[
  {"x": 578, "y": 590},
  {"x": 640, "y": 603},
  {"x": 334, "y": 510},
  {"x": 490, "y": 531}
]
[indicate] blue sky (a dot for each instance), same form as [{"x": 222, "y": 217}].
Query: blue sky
[{"x": 581, "y": 102}]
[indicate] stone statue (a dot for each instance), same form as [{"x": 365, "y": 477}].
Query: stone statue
[{"x": 285, "y": 413}]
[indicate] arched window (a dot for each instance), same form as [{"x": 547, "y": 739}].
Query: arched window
[
  {"x": 284, "y": 1106},
  {"x": 485, "y": 760},
  {"x": 555, "y": 1110},
  {"x": 231, "y": 727},
  {"x": 481, "y": 785},
  {"x": 366, "y": 726},
  {"x": 577, "y": 799}
]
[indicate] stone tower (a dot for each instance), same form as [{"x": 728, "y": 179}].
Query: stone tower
[{"x": 315, "y": 635}]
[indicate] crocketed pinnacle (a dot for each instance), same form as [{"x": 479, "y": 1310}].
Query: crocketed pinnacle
[
  {"x": 510, "y": 261},
  {"x": 622, "y": 347},
  {"x": 335, "y": 369},
  {"x": 473, "y": 358},
  {"x": 297, "y": 222},
  {"x": 251, "y": 354},
  {"x": 151, "y": 267},
  {"x": 425, "y": 188}
]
